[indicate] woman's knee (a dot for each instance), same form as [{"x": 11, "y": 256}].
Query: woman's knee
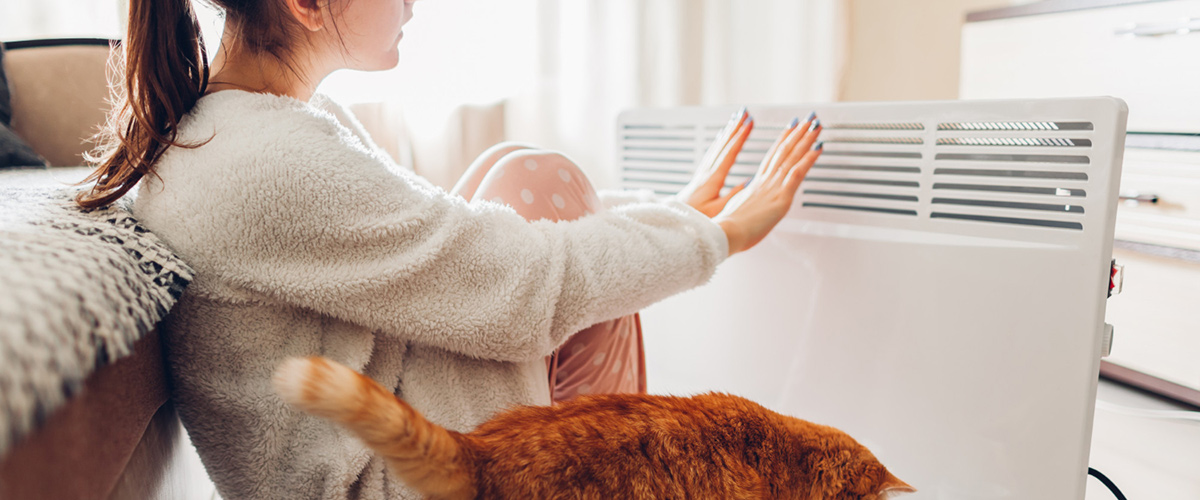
[
  {"x": 493, "y": 154},
  {"x": 541, "y": 162},
  {"x": 540, "y": 184},
  {"x": 483, "y": 164}
]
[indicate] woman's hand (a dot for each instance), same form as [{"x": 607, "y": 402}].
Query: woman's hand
[
  {"x": 704, "y": 191},
  {"x": 753, "y": 212}
]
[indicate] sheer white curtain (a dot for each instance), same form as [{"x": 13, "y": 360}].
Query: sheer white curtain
[
  {"x": 597, "y": 57},
  {"x": 564, "y": 69},
  {"x": 31, "y": 19}
]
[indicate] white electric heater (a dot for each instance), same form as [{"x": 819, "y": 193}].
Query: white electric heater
[{"x": 937, "y": 290}]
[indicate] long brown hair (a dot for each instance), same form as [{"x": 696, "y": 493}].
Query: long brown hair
[
  {"x": 156, "y": 77},
  {"x": 165, "y": 71}
]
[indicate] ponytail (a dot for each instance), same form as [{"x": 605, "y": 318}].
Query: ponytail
[{"x": 165, "y": 69}]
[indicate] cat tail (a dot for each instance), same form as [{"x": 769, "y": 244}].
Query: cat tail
[{"x": 428, "y": 458}]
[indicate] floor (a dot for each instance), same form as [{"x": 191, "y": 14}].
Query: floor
[{"x": 1147, "y": 458}]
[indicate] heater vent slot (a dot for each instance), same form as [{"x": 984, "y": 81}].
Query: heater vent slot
[
  {"x": 666, "y": 159},
  {"x": 1016, "y": 174},
  {"x": 868, "y": 168},
  {"x": 852, "y": 194},
  {"x": 1070, "y": 159},
  {"x": 664, "y": 147},
  {"x": 1047, "y": 191},
  {"x": 1054, "y": 142},
  {"x": 1009, "y": 220},
  {"x": 874, "y": 140},
  {"x": 873, "y": 182},
  {"x": 872, "y": 154},
  {"x": 1010, "y": 204},
  {"x": 858, "y": 208},
  {"x": 1015, "y": 126},
  {"x": 874, "y": 126}
]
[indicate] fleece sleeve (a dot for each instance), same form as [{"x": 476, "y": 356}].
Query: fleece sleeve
[
  {"x": 323, "y": 224},
  {"x": 611, "y": 198}
]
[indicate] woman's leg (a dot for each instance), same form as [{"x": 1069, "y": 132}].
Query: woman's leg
[
  {"x": 470, "y": 180},
  {"x": 604, "y": 358}
]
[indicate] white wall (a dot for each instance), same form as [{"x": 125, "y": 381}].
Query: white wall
[{"x": 906, "y": 49}]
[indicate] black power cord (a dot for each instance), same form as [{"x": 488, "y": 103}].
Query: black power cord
[{"x": 1107, "y": 482}]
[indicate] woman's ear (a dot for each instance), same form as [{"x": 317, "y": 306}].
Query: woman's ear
[{"x": 307, "y": 13}]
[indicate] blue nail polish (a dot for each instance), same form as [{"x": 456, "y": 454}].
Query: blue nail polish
[
  {"x": 747, "y": 183},
  {"x": 795, "y": 121},
  {"x": 819, "y": 146},
  {"x": 815, "y": 124},
  {"x": 810, "y": 116},
  {"x": 750, "y": 121}
]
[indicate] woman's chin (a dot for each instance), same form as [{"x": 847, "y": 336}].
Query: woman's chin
[{"x": 391, "y": 59}]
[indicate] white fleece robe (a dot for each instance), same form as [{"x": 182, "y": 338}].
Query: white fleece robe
[{"x": 307, "y": 240}]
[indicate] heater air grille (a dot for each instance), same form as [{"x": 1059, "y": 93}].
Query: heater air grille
[{"x": 1030, "y": 174}]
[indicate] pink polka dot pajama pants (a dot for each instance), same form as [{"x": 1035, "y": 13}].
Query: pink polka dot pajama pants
[{"x": 605, "y": 358}]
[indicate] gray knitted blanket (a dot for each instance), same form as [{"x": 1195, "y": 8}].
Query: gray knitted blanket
[{"x": 77, "y": 289}]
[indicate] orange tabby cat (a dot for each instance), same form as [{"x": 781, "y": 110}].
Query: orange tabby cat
[{"x": 599, "y": 447}]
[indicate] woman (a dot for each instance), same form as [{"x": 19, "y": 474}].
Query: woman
[{"x": 305, "y": 240}]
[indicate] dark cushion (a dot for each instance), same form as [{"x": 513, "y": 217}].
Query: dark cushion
[
  {"x": 5, "y": 97},
  {"x": 14, "y": 151}
]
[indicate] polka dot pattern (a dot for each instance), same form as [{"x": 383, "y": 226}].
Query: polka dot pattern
[{"x": 601, "y": 359}]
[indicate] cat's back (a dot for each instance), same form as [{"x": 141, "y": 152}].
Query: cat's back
[
  {"x": 616, "y": 415},
  {"x": 631, "y": 446}
]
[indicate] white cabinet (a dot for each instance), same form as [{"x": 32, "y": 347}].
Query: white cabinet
[
  {"x": 1143, "y": 53},
  {"x": 1148, "y": 54}
]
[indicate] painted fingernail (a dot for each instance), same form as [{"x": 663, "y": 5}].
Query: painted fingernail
[
  {"x": 819, "y": 146},
  {"x": 815, "y": 124},
  {"x": 795, "y": 121},
  {"x": 747, "y": 183},
  {"x": 750, "y": 121},
  {"x": 811, "y": 116}
]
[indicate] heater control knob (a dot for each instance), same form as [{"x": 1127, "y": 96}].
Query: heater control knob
[{"x": 1106, "y": 341}]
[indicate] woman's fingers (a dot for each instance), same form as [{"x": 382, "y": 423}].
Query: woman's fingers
[
  {"x": 785, "y": 146},
  {"x": 768, "y": 161},
  {"x": 786, "y": 151},
  {"x": 724, "y": 137},
  {"x": 801, "y": 168},
  {"x": 730, "y": 153},
  {"x": 804, "y": 145}
]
